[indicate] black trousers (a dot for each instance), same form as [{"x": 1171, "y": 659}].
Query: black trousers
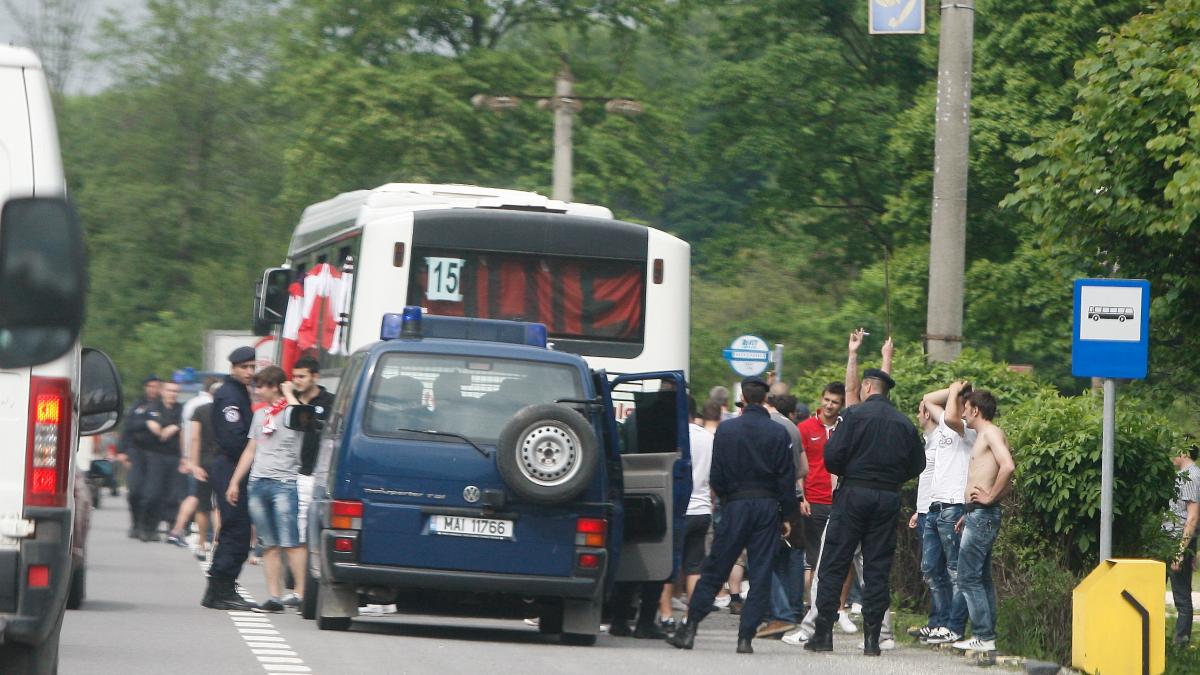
[
  {"x": 860, "y": 516},
  {"x": 647, "y": 609},
  {"x": 753, "y": 525},
  {"x": 133, "y": 484},
  {"x": 1181, "y": 592},
  {"x": 157, "y": 481},
  {"x": 233, "y": 543}
]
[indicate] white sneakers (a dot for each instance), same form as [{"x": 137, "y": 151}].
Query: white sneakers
[
  {"x": 887, "y": 644},
  {"x": 941, "y": 635},
  {"x": 856, "y": 609},
  {"x": 976, "y": 645},
  {"x": 796, "y": 637},
  {"x": 845, "y": 623},
  {"x": 721, "y": 601}
]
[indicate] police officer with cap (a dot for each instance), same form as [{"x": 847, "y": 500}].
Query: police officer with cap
[
  {"x": 875, "y": 449},
  {"x": 231, "y": 415},
  {"x": 754, "y": 476}
]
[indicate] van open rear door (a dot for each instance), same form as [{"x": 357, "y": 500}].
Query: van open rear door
[{"x": 656, "y": 468}]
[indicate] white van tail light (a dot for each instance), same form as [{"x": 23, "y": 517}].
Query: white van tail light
[{"x": 49, "y": 452}]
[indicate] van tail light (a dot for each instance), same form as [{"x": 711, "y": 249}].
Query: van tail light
[
  {"x": 346, "y": 515},
  {"x": 591, "y": 532},
  {"x": 48, "y": 453}
]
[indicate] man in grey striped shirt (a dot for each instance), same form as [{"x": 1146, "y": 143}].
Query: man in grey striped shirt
[{"x": 1182, "y": 521}]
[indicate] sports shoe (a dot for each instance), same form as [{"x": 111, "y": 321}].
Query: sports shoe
[
  {"x": 856, "y": 609},
  {"x": 271, "y": 606},
  {"x": 976, "y": 645},
  {"x": 377, "y": 610},
  {"x": 680, "y": 605},
  {"x": 922, "y": 632},
  {"x": 845, "y": 623},
  {"x": 941, "y": 636},
  {"x": 721, "y": 602},
  {"x": 291, "y": 600},
  {"x": 735, "y": 605},
  {"x": 176, "y": 539},
  {"x": 887, "y": 644},
  {"x": 668, "y": 625},
  {"x": 796, "y": 637}
]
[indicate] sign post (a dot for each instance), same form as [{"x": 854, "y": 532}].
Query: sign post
[
  {"x": 1111, "y": 340},
  {"x": 748, "y": 355}
]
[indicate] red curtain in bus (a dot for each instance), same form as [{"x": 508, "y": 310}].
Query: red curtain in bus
[{"x": 574, "y": 298}]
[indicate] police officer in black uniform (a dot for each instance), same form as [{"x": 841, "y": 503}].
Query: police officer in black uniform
[
  {"x": 231, "y": 415},
  {"x": 134, "y": 439},
  {"x": 875, "y": 449},
  {"x": 754, "y": 476}
]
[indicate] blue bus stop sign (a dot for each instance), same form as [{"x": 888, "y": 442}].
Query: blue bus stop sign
[{"x": 1112, "y": 328}]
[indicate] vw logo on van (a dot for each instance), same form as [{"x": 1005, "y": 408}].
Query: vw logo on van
[{"x": 471, "y": 494}]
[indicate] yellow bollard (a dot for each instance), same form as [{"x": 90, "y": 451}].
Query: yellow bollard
[{"x": 1119, "y": 619}]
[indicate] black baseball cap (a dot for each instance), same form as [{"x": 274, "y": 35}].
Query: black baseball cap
[
  {"x": 754, "y": 379},
  {"x": 151, "y": 378}
]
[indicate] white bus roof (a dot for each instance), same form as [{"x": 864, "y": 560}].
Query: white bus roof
[
  {"x": 399, "y": 197},
  {"x": 12, "y": 56}
]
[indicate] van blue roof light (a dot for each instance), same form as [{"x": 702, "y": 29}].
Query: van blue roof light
[
  {"x": 410, "y": 322},
  {"x": 406, "y": 324}
]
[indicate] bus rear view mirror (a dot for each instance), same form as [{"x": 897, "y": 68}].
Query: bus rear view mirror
[
  {"x": 42, "y": 280},
  {"x": 271, "y": 298}
]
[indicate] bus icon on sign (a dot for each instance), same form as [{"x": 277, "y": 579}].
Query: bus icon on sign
[{"x": 1121, "y": 314}]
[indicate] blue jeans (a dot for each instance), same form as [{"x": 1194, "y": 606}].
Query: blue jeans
[
  {"x": 975, "y": 569},
  {"x": 933, "y": 570},
  {"x": 274, "y": 509},
  {"x": 955, "y": 613},
  {"x": 787, "y": 585}
]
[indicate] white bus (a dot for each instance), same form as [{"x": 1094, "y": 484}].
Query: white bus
[{"x": 616, "y": 293}]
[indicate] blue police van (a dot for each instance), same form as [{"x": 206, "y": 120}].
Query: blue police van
[{"x": 467, "y": 469}]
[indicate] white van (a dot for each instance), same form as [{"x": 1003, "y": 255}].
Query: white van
[{"x": 51, "y": 390}]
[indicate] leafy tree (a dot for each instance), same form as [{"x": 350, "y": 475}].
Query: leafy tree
[{"x": 1121, "y": 182}]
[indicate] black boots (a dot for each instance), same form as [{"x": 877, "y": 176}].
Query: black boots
[
  {"x": 222, "y": 594},
  {"x": 744, "y": 646},
  {"x": 685, "y": 635},
  {"x": 821, "y": 640},
  {"x": 871, "y": 639}
]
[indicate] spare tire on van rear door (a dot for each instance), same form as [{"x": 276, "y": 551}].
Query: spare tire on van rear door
[{"x": 547, "y": 453}]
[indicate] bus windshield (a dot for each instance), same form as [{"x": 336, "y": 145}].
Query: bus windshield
[{"x": 578, "y": 298}]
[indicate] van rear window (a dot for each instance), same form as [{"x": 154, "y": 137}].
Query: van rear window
[{"x": 471, "y": 396}]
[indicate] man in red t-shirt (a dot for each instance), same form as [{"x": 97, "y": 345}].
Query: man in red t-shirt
[{"x": 818, "y": 484}]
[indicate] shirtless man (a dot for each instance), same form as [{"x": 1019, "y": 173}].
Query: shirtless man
[{"x": 988, "y": 478}]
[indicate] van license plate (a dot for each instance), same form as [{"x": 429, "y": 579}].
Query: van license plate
[{"x": 461, "y": 526}]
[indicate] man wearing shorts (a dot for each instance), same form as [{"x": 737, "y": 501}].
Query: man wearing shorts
[{"x": 272, "y": 459}]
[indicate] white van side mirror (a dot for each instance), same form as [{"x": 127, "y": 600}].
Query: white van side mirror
[
  {"x": 99, "y": 393},
  {"x": 42, "y": 280},
  {"x": 271, "y": 299}
]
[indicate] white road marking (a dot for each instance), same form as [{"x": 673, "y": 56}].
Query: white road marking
[{"x": 265, "y": 643}]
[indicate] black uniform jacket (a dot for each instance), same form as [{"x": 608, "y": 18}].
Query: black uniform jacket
[
  {"x": 875, "y": 442},
  {"x": 753, "y": 452},
  {"x": 231, "y": 416}
]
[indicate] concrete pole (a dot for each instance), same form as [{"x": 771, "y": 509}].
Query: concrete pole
[
  {"x": 563, "y": 110},
  {"x": 948, "y": 231},
  {"x": 1106, "y": 468}
]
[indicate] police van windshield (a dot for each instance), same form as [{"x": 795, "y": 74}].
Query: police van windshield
[{"x": 471, "y": 396}]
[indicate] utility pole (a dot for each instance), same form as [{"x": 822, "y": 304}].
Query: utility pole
[
  {"x": 565, "y": 105},
  {"x": 563, "y": 151},
  {"x": 948, "y": 230}
]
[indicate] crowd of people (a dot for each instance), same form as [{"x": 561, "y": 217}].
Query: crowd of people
[
  {"x": 226, "y": 461},
  {"x": 807, "y": 506},
  {"x": 799, "y": 505}
]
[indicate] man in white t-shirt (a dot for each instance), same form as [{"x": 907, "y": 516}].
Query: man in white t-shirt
[
  {"x": 699, "y": 510},
  {"x": 952, "y": 441},
  {"x": 933, "y": 560}
]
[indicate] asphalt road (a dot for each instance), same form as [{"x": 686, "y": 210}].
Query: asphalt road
[{"x": 142, "y": 615}]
